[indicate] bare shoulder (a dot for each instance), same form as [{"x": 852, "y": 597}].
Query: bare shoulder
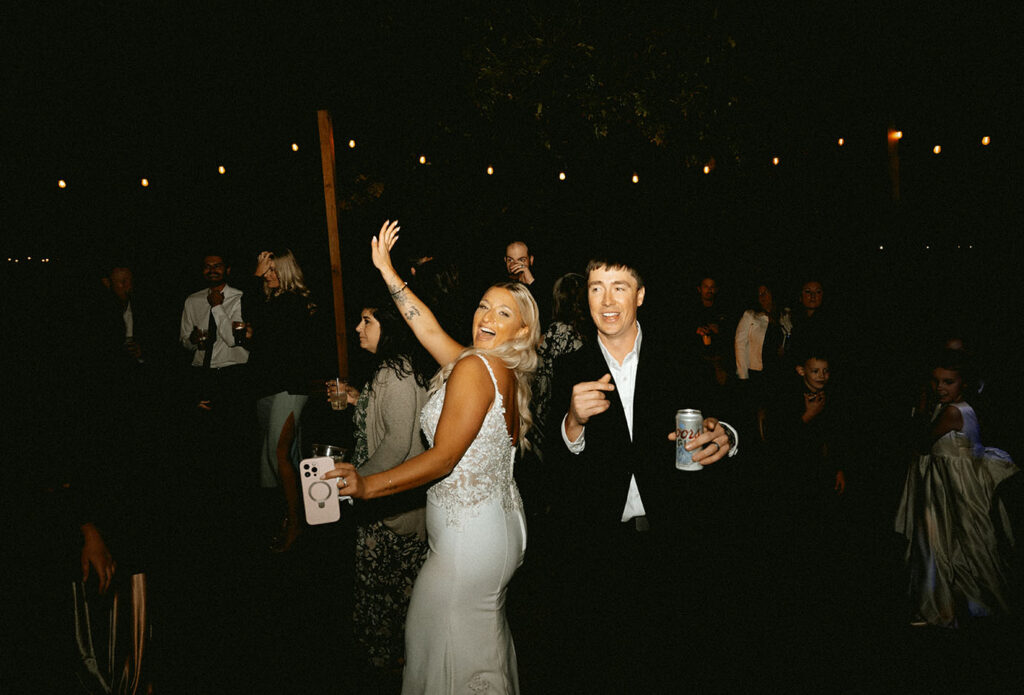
[
  {"x": 470, "y": 371},
  {"x": 949, "y": 419},
  {"x": 952, "y": 416}
]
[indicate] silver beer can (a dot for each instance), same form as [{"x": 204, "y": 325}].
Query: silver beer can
[{"x": 689, "y": 425}]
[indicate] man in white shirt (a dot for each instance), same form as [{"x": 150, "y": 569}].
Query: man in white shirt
[
  {"x": 629, "y": 511},
  {"x": 218, "y": 362},
  {"x": 224, "y": 304}
]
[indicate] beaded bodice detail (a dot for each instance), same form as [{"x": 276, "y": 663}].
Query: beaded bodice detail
[{"x": 484, "y": 472}]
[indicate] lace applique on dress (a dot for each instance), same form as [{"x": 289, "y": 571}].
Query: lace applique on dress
[{"x": 484, "y": 471}]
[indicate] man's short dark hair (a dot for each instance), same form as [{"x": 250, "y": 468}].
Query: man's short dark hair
[
  {"x": 219, "y": 254},
  {"x": 111, "y": 264},
  {"x": 811, "y": 352},
  {"x": 614, "y": 263}
]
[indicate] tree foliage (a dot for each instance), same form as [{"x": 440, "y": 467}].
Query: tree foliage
[{"x": 666, "y": 74}]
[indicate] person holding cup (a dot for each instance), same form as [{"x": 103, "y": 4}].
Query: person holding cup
[
  {"x": 390, "y": 532},
  {"x": 457, "y": 636},
  {"x": 277, "y": 336},
  {"x": 632, "y": 524}
]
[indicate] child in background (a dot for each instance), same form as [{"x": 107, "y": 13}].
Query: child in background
[
  {"x": 804, "y": 433},
  {"x": 950, "y": 515}
]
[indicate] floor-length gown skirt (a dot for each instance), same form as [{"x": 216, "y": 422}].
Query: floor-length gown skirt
[{"x": 457, "y": 639}]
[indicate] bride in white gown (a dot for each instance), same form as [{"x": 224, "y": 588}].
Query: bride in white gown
[{"x": 457, "y": 639}]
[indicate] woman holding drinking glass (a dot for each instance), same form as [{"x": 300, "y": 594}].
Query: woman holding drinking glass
[{"x": 390, "y": 532}]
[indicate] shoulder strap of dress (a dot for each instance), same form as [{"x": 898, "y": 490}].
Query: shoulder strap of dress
[{"x": 491, "y": 372}]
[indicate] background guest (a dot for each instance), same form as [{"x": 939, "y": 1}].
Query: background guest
[
  {"x": 710, "y": 329},
  {"x": 563, "y": 335},
  {"x": 949, "y": 516},
  {"x": 391, "y": 533},
  {"x": 761, "y": 336},
  {"x": 279, "y": 339}
]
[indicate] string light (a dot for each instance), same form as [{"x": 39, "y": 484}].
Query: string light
[{"x": 893, "y": 135}]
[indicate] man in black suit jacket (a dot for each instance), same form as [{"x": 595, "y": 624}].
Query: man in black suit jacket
[{"x": 629, "y": 514}]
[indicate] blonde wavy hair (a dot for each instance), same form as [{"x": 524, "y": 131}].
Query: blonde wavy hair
[
  {"x": 518, "y": 354},
  {"x": 290, "y": 278}
]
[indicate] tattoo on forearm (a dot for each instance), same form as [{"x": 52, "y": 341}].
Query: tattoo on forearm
[
  {"x": 397, "y": 294},
  {"x": 412, "y": 313}
]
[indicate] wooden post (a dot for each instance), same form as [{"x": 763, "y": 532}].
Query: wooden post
[{"x": 333, "y": 239}]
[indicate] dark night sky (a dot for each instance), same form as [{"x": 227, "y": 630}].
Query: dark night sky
[{"x": 104, "y": 93}]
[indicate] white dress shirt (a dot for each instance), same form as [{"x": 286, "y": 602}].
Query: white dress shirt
[
  {"x": 197, "y": 315},
  {"x": 129, "y": 322},
  {"x": 624, "y": 375}
]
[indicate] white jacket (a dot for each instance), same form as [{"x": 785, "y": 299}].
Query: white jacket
[{"x": 750, "y": 332}]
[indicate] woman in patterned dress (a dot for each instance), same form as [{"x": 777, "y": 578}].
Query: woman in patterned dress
[{"x": 390, "y": 532}]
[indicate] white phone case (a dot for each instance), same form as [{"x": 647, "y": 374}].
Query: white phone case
[{"x": 320, "y": 497}]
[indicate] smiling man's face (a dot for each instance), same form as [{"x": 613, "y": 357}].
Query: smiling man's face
[{"x": 614, "y": 298}]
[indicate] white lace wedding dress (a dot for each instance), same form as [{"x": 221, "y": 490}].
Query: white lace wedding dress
[{"x": 457, "y": 639}]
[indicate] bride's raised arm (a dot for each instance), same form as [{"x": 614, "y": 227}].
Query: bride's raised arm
[{"x": 441, "y": 346}]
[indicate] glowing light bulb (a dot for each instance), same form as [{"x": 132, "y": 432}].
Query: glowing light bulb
[
  {"x": 144, "y": 182},
  {"x": 62, "y": 183},
  {"x": 707, "y": 169},
  {"x": 221, "y": 169},
  {"x": 937, "y": 149},
  {"x": 636, "y": 178},
  {"x": 986, "y": 140},
  {"x": 898, "y": 135},
  {"x": 490, "y": 171},
  {"x": 295, "y": 147},
  {"x": 775, "y": 161},
  {"x": 423, "y": 159},
  {"x": 841, "y": 142},
  {"x": 881, "y": 248},
  {"x": 351, "y": 144},
  {"x": 561, "y": 176}
]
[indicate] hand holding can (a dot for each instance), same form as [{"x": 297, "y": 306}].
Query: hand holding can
[{"x": 689, "y": 426}]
